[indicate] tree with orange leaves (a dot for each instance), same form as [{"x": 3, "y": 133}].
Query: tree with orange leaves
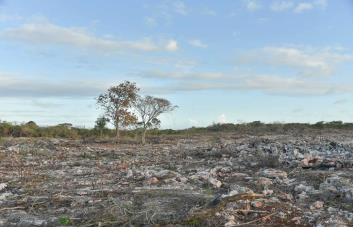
[{"x": 116, "y": 102}]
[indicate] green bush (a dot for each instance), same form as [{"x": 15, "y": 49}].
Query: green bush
[{"x": 65, "y": 221}]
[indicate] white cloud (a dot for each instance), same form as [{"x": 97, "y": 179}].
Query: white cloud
[
  {"x": 164, "y": 12},
  {"x": 303, "y": 6},
  {"x": 321, "y": 3},
  {"x": 317, "y": 62},
  {"x": 44, "y": 104},
  {"x": 175, "y": 62},
  {"x": 150, "y": 21},
  {"x": 222, "y": 119},
  {"x": 273, "y": 85},
  {"x": 180, "y": 7},
  {"x": 252, "y": 5},
  {"x": 45, "y": 33},
  {"x": 15, "y": 86},
  {"x": 287, "y": 86},
  {"x": 306, "y": 6},
  {"x": 209, "y": 12},
  {"x": 182, "y": 75},
  {"x": 268, "y": 84},
  {"x": 193, "y": 122},
  {"x": 197, "y": 43},
  {"x": 263, "y": 19},
  {"x": 341, "y": 101},
  {"x": 285, "y": 5},
  {"x": 279, "y": 6},
  {"x": 172, "y": 45},
  {"x": 9, "y": 17}
]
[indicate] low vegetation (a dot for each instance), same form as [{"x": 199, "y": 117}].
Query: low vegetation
[{"x": 31, "y": 129}]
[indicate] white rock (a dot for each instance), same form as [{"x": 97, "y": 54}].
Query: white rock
[
  {"x": 3, "y": 196},
  {"x": 215, "y": 183},
  {"x": 317, "y": 205},
  {"x": 3, "y": 186},
  {"x": 230, "y": 223},
  {"x": 273, "y": 173},
  {"x": 267, "y": 192},
  {"x": 129, "y": 173}
]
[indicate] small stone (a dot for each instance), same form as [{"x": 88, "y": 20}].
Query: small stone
[
  {"x": 282, "y": 215},
  {"x": 317, "y": 205},
  {"x": 240, "y": 175},
  {"x": 310, "y": 162},
  {"x": 304, "y": 162},
  {"x": 215, "y": 183},
  {"x": 286, "y": 196},
  {"x": 152, "y": 180},
  {"x": 230, "y": 217},
  {"x": 3, "y": 186},
  {"x": 264, "y": 181},
  {"x": 267, "y": 192},
  {"x": 164, "y": 174},
  {"x": 296, "y": 220},
  {"x": 273, "y": 173},
  {"x": 129, "y": 173},
  {"x": 332, "y": 209},
  {"x": 3, "y": 196},
  {"x": 257, "y": 204},
  {"x": 181, "y": 179},
  {"x": 297, "y": 154},
  {"x": 303, "y": 188},
  {"x": 302, "y": 196},
  {"x": 230, "y": 223}
]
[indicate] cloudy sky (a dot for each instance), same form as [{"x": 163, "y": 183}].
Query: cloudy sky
[{"x": 219, "y": 61}]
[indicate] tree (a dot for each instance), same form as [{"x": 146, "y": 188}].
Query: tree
[
  {"x": 5, "y": 128},
  {"x": 101, "y": 123},
  {"x": 149, "y": 109},
  {"x": 30, "y": 129},
  {"x": 116, "y": 102}
]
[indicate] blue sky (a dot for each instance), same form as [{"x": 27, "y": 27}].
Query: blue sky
[{"x": 219, "y": 61}]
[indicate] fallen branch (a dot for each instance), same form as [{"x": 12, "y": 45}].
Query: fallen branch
[
  {"x": 256, "y": 220},
  {"x": 251, "y": 211},
  {"x": 11, "y": 208}
]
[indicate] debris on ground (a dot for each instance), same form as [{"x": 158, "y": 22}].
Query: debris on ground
[{"x": 233, "y": 180}]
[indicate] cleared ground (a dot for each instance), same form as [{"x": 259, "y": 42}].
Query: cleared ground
[{"x": 202, "y": 180}]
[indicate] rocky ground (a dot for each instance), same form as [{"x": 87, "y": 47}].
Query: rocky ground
[{"x": 209, "y": 180}]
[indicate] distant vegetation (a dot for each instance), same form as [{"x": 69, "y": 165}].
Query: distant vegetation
[
  {"x": 133, "y": 115},
  {"x": 31, "y": 129},
  {"x": 123, "y": 107}
]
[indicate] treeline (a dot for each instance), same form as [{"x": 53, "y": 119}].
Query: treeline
[
  {"x": 31, "y": 129},
  {"x": 258, "y": 127}
]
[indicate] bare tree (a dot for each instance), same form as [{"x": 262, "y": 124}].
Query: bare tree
[
  {"x": 149, "y": 108},
  {"x": 116, "y": 102}
]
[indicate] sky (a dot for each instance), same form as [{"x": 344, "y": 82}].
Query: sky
[{"x": 220, "y": 61}]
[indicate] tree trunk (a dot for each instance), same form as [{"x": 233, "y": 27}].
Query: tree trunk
[{"x": 143, "y": 137}]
